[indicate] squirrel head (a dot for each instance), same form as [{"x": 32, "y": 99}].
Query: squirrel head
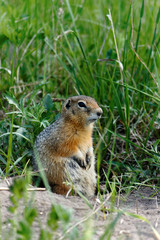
[{"x": 81, "y": 110}]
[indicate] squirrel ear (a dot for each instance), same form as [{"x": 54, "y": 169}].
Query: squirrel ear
[{"x": 68, "y": 104}]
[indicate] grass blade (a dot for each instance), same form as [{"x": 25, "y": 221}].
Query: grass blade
[{"x": 138, "y": 35}]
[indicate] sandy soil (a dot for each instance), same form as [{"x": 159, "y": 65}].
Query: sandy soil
[{"x": 127, "y": 227}]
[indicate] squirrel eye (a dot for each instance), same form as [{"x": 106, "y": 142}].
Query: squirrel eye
[{"x": 81, "y": 104}]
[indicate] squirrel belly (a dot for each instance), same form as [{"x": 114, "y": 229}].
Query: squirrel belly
[{"x": 65, "y": 148}]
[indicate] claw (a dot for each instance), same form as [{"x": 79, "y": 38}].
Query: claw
[{"x": 80, "y": 162}]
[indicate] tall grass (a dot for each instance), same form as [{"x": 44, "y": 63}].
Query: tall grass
[{"x": 49, "y": 49}]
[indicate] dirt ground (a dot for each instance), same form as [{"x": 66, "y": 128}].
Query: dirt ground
[{"x": 128, "y": 227}]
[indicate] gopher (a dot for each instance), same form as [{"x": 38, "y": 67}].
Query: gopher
[{"x": 65, "y": 148}]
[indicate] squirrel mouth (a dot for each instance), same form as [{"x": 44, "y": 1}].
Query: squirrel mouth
[{"x": 91, "y": 119}]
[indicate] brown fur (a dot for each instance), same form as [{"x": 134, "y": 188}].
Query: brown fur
[{"x": 65, "y": 147}]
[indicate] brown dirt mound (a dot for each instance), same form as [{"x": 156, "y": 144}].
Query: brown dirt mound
[{"x": 127, "y": 227}]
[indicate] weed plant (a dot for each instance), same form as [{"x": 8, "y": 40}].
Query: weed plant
[{"x": 105, "y": 49}]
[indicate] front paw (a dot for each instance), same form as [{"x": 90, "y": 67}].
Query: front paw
[
  {"x": 88, "y": 161},
  {"x": 80, "y": 162}
]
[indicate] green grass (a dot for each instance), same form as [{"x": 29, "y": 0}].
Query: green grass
[{"x": 50, "y": 49}]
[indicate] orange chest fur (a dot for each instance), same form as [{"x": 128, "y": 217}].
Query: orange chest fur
[{"x": 75, "y": 141}]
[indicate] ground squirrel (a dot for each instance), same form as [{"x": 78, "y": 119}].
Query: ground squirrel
[{"x": 65, "y": 148}]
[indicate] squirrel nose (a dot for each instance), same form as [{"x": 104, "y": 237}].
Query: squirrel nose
[{"x": 99, "y": 112}]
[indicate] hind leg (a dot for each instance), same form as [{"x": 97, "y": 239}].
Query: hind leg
[{"x": 60, "y": 189}]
